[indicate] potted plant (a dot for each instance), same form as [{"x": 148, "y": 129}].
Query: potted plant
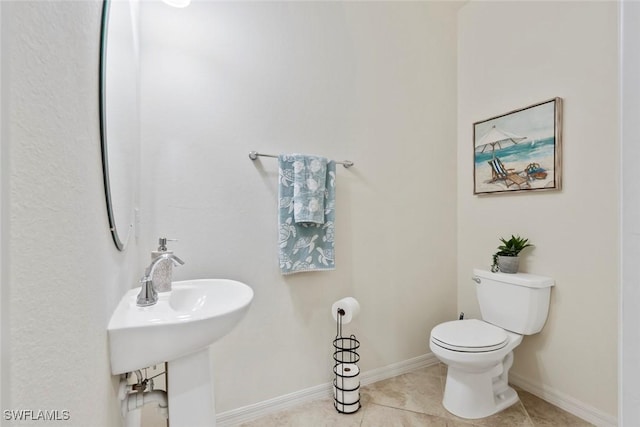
[{"x": 507, "y": 258}]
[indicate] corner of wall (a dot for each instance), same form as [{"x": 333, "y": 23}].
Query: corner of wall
[{"x": 5, "y": 384}]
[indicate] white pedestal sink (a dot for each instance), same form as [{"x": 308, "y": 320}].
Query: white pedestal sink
[
  {"x": 178, "y": 329},
  {"x": 190, "y": 390}
]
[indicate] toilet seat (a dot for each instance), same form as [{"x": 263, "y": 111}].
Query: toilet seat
[{"x": 469, "y": 336}]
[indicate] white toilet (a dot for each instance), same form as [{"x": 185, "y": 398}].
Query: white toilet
[{"x": 479, "y": 353}]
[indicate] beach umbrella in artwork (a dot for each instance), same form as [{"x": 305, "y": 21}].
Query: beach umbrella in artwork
[{"x": 497, "y": 137}]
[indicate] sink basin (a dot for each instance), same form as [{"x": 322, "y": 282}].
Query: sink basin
[{"x": 195, "y": 314}]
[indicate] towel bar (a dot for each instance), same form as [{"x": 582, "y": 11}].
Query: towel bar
[{"x": 253, "y": 155}]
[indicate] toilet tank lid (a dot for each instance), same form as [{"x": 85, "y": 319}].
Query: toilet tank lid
[{"x": 521, "y": 279}]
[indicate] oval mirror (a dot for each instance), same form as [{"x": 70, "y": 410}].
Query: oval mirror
[{"x": 119, "y": 114}]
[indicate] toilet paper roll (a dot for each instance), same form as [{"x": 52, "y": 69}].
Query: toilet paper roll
[
  {"x": 347, "y": 409},
  {"x": 346, "y": 397},
  {"x": 347, "y": 376},
  {"x": 350, "y": 306}
]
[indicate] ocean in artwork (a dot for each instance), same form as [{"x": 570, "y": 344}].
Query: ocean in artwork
[{"x": 531, "y": 151}]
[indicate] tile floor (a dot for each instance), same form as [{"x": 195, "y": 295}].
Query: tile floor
[{"x": 414, "y": 399}]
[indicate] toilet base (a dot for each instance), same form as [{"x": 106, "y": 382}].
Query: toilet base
[{"x": 474, "y": 395}]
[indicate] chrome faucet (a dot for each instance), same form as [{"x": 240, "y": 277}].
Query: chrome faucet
[{"x": 148, "y": 295}]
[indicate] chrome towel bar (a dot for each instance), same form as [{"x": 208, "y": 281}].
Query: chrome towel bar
[{"x": 253, "y": 155}]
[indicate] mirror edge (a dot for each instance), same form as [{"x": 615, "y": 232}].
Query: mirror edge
[{"x": 103, "y": 124}]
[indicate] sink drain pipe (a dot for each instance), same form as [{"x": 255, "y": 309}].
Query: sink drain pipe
[
  {"x": 133, "y": 398},
  {"x": 137, "y": 400}
]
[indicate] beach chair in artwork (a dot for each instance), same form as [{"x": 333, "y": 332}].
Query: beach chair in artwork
[{"x": 509, "y": 176}]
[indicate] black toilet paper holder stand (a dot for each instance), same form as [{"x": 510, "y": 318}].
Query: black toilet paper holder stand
[{"x": 345, "y": 351}]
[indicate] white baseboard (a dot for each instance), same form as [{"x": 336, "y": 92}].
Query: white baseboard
[
  {"x": 251, "y": 412},
  {"x": 395, "y": 369},
  {"x": 563, "y": 401}
]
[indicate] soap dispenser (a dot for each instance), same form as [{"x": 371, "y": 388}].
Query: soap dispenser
[{"x": 162, "y": 276}]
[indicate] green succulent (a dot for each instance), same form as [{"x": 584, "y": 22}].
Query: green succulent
[{"x": 511, "y": 247}]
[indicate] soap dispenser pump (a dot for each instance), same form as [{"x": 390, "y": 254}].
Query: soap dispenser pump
[{"x": 162, "y": 277}]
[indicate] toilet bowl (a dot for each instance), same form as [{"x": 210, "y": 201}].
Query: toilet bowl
[
  {"x": 479, "y": 352},
  {"x": 478, "y": 356}
]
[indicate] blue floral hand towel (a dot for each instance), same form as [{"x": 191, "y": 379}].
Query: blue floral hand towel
[
  {"x": 306, "y": 245},
  {"x": 309, "y": 176}
]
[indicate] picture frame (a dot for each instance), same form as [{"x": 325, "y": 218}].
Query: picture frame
[{"x": 519, "y": 151}]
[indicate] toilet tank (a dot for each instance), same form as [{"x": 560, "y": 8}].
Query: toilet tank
[{"x": 516, "y": 302}]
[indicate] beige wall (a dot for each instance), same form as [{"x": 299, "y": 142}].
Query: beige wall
[
  {"x": 512, "y": 55},
  {"x": 370, "y": 82},
  {"x": 629, "y": 394},
  {"x": 65, "y": 275}
]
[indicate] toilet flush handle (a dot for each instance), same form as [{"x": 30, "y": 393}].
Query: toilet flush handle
[{"x": 476, "y": 279}]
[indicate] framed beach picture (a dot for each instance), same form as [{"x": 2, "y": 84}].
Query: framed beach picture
[{"x": 519, "y": 150}]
